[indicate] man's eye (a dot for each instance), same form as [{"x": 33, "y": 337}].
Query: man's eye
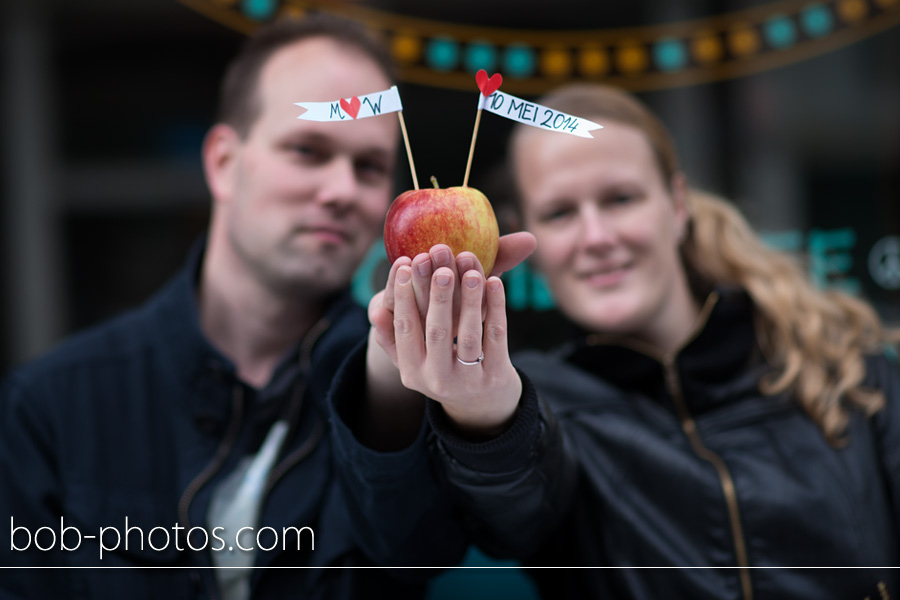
[
  {"x": 307, "y": 152},
  {"x": 371, "y": 169}
]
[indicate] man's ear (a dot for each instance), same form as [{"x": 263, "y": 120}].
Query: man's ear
[
  {"x": 681, "y": 204},
  {"x": 220, "y": 149}
]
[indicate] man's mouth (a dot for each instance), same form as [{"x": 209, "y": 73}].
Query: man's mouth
[{"x": 327, "y": 233}]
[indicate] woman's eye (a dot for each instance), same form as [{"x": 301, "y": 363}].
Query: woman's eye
[
  {"x": 614, "y": 198},
  {"x": 556, "y": 214}
]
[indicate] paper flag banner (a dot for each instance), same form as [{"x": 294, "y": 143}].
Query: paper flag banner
[
  {"x": 356, "y": 107},
  {"x": 536, "y": 115}
]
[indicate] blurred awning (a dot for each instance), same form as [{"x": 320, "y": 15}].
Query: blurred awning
[{"x": 445, "y": 54}]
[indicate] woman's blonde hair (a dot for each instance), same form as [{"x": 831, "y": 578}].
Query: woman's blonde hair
[{"x": 815, "y": 340}]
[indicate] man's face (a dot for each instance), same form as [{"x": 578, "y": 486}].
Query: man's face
[{"x": 303, "y": 201}]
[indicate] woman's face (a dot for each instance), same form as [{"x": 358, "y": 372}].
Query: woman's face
[{"x": 608, "y": 229}]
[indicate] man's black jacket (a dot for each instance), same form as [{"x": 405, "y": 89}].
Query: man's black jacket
[{"x": 123, "y": 431}]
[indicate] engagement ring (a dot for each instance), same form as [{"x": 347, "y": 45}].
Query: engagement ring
[{"x": 469, "y": 363}]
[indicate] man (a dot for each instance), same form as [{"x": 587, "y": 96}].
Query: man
[{"x": 193, "y": 431}]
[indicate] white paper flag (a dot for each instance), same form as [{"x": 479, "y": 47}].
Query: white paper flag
[
  {"x": 536, "y": 115},
  {"x": 356, "y": 107}
]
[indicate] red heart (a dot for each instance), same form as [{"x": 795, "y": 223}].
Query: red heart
[
  {"x": 488, "y": 86},
  {"x": 352, "y": 107}
]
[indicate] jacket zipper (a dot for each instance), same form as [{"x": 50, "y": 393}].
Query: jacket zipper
[
  {"x": 234, "y": 426},
  {"x": 310, "y": 444},
  {"x": 689, "y": 427}
]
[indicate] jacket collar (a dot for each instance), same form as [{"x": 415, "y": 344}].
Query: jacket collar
[
  {"x": 712, "y": 366},
  {"x": 174, "y": 313}
]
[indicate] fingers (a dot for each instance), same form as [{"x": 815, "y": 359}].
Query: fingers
[
  {"x": 407, "y": 325},
  {"x": 381, "y": 311},
  {"x": 377, "y": 302},
  {"x": 513, "y": 249},
  {"x": 422, "y": 270},
  {"x": 432, "y": 306},
  {"x": 383, "y": 327},
  {"x": 496, "y": 349},
  {"x": 468, "y": 340},
  {"x": 439, "y": 321},
  {"x": 382, "y": 321},
  {"x": 424, "y": 265},
  {"x": 388, "y": 298},
  {"x": 442, "y": 256},
  {"x": 466, "y": 261}
]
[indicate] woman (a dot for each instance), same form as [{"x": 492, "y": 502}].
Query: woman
[{"x": 712, "y": 410}]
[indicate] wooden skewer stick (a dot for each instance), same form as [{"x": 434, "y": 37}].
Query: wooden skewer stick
[
  {"x": 412, "y": 166},
  {"x": 472, "y": 148}
]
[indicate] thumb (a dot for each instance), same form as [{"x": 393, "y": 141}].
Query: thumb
[{"x": 513, "y": 249}]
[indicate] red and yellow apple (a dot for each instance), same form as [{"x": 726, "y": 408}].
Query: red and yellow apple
[{"x": 461, "y": 217}]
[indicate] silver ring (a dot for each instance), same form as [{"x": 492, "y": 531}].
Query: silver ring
[{"x": 470, "y": 363}]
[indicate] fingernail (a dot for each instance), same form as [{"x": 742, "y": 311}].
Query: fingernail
[
  {"x": 465, "y": 264},
  {"x": 441, "y": 257},
  {"x": 494, "y": 284},
  {"x": 424, "y": 268},
  {"x": 471, "y": 282},
  {"x": 403, "y": 275},
  {"x": 443, "y": 279}
]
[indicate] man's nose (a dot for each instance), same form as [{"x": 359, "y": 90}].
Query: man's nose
[{"x": 338, "y": 184}]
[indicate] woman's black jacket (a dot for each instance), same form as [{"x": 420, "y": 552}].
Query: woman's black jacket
[{"x": 617, "y": 458}]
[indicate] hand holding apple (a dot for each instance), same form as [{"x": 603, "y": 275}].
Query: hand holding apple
[{"x": 460, "y": 217}]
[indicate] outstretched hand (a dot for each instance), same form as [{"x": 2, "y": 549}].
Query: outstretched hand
[{"x": 432, "y": 300}]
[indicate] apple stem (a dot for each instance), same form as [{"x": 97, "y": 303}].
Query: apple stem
[{"x": 435, "y": 183}]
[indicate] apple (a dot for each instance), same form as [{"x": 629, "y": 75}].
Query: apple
[{"x": 461, "y": 217}]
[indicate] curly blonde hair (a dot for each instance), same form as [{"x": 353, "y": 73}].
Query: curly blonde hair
[{"x": 815, "y": 340}]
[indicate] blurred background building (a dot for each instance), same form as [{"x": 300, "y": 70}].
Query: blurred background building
[{"x": 791, "y": 109}]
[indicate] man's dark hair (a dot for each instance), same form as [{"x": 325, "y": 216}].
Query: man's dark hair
[{"x": 238, "y": 101}]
